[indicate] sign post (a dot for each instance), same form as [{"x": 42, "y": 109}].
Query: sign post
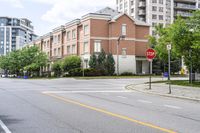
[
  {"x": 169, "y": 47},
  {"x": 150, "y": 54}
]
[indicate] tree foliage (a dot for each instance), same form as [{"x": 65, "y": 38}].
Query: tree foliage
[
  {"x": 103, "y": 63},
  {"x": 93, "y": 61},
  {"x": 29, "y": 59},
  {"x": 56, "y": 68},
  {"x": 184, "y": 36},
  {"x": 110, "y": 64},
  {"x": 71, "y": 62}
]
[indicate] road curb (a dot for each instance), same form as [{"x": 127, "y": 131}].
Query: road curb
[{"x": 132, "y": 87}]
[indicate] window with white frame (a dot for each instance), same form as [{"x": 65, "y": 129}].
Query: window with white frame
[
  {"x": 59, "y": 52},
  {"x": 85, "y": 47},
  {"x": 54, "y": 52},
  {"x": 55, "y": 39},
  {"x": 73, "y": 34},
  {"x": 86, "y": 30},
  {"x": 59, "y": 39},
  {"x": 73, "y": 49},
  {"x": 97, "y": 46},
  {"x": 123, "y": 52},
  {"x": 68, "y": 50},
  {"x": 68, "y": 35},
  {"x": 123, "y": 29}
]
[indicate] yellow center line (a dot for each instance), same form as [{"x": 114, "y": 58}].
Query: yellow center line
[{"x": 110, "y": 113}]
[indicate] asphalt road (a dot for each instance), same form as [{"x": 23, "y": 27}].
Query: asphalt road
[{"x": 91, "y": 106}]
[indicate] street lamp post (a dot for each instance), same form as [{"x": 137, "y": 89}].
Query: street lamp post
[
  {"x": 83, "y": 74},
  {"x": 169, "y": 69},
  {"x": 190, "y": 55},
  {"x": 118, "y": 42}
]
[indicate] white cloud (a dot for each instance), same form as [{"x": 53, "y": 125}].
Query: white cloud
[{"x": 14, "y": 3}]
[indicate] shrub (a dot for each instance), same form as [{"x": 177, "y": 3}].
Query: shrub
[
  {"x": 71, "y": 62},
  {"x": 126, "y": 74},
  {"x": 56, "y": 68},
  {"x": 87, "y": 72}
]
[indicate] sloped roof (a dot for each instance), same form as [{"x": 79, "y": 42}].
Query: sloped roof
[{"x": 108, "y": 11}]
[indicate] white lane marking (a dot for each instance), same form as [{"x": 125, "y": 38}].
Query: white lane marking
[
  {"x": 57, "y": 92},
  {"x": 4, "y": 127},
  {"x": 144, "y": 101},
  {"x": 122, "y": 97},
  {"x": 171, "y": 106}
]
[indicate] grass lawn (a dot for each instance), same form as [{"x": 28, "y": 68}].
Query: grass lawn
[{"x": 181, "y": 83}]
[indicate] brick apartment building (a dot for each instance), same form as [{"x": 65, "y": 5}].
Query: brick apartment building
[{"x": 96, "y": 31}]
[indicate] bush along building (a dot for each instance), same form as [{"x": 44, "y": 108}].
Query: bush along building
[{"x": 96, "y": 31}]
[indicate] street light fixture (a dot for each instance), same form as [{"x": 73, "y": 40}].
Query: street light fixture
[{"x": 118, "y": 42}]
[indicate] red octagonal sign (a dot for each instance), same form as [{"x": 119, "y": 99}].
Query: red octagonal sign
[{"x": 150, "y": 54}]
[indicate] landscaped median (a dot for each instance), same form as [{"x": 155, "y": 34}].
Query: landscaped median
[{"x": 162, "y": 89}]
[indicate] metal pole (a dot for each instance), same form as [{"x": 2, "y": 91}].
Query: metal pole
[
  {"x": 83, "y": 68},
  {"x": 169, "y": 71},
  {"x": 118, "y": 57},
  {"x": 150, "y": 63},
  {"x": 190, "y": 54}
]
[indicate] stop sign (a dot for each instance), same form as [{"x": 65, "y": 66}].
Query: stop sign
[{"x": 150, "y": 54}]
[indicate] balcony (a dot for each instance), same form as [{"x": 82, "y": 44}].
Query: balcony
[
  {"x": 184, "y": 6},
  {"x": 142, "y": 4},
  {"x": 183, "y": 14},
  {"x": 141, "y": 12}
]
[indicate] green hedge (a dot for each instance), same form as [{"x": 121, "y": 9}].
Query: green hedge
[{"x": 87, "y": 72}]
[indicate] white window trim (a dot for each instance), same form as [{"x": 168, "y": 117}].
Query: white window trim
[
  {"x": 97, "y": 49},
  {"x": 124, "y": 25}
]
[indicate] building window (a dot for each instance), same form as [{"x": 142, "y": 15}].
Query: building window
[
  {"x": 123, "y": 32},
  {"x": 68, "y": 35},
  {"x": 120, "y": 7},
  {"x": 132, "y": 3},
  {"x": 73, "y": 34},
  {"x": 154, "y": 8},
  {"x": 123, "y": 52},
  {"x": 55, "y": 39},
  {"x": 48, "y": 44},
  {"x": 68, "y": 49},
  {"x": 86, "y": 30},
  {"x": 154, "y": 24},
  {"x": 85, "y": 47},
  {"x": 154, "y": 1},
  {"x": 58, "y": 38},
  {"x": 54, "y": 52},
  {"x": 132, "y": 10},
  {"x": 160, "y": 1},
  {"x": 160, "y": 17},
  {"x": 97, "y": 46},
  {"x": 73, "y": 49},
  {"x": 59, "y": 52},
  {"x": 160, "y": 9},
  {"x": 154, "y": 16}
]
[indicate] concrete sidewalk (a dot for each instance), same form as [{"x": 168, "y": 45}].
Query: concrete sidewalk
[{"x": 162, "y": 89}]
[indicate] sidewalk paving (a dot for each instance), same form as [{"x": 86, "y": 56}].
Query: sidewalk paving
[{"x": 162, "y": 89}]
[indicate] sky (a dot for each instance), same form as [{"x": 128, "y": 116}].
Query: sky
[{"x": 48, "y": 14}]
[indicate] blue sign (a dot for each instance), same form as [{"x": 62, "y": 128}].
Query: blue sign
[{"x": 166, "y": 74}]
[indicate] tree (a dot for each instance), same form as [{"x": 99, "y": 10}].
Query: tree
[
  {"x": 29, "y": 59},
  {"x": 71, "y": 62},
  {"x": 101, "y": 60},
  {"x": 110, "y": 64},
  {"x": 56, "y": 68},
  {"x": 93, "y": 61}
]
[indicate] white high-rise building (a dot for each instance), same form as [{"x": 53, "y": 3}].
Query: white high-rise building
[{"x": 156, "y": 12}]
